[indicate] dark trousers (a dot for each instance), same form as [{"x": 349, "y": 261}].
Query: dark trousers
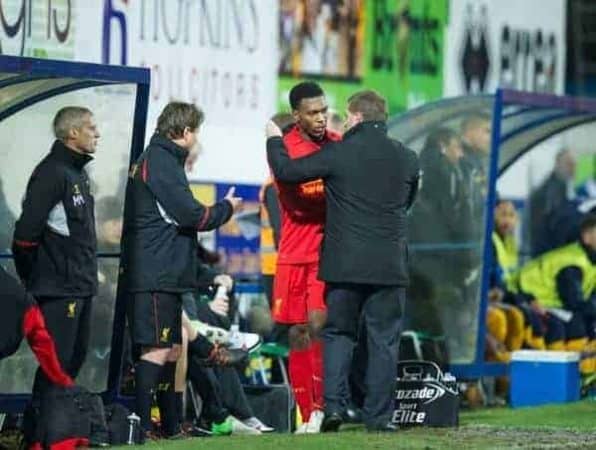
[
  {"x": 267, "y": 283},
  {"x": 221, "y": 392},
  {"x": 380, "y": 308},
  {"x": 68, "y": 321}
]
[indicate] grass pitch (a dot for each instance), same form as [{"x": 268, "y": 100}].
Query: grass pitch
[{"x": 571, "y": 426}]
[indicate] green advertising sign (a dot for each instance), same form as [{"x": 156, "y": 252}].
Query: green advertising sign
[{"x": 392, "y": 46}]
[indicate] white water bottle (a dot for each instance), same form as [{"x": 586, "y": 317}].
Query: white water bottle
[{"x": 134, "y": 423}]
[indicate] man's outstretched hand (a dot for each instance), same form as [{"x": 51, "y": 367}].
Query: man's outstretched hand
[{"x": 236, "y": 202}]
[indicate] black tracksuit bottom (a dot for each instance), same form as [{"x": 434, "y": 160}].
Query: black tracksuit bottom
[
  {"x": 379, "y": 312},
  {"x": 68, "y": 321}
]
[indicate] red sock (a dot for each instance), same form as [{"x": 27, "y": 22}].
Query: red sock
[
  {"x": 300, "y": 371},
  {"x": 316, "y": 355}
]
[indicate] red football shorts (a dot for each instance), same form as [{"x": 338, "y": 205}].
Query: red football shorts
[{"x": 296, "y": 292}]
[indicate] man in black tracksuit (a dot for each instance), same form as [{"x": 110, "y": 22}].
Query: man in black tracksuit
[
  {"x": 160, "y": 261},
  {"x": 370, "y": 183},
  {"x": 54, "y": 242}
]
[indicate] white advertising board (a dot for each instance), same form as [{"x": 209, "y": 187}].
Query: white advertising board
[{"x": 508, "y": 43}]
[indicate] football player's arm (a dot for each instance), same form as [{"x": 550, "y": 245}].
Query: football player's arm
[
  {"x": 311, "y": 167},
  {"x": 44, "y": 191}
]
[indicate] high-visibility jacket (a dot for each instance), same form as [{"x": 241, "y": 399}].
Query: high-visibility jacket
[
  {"x": 539, "y": 276},
  {"x": 508, "y": 258}
]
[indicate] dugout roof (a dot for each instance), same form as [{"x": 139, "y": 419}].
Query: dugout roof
[{"x": 526, "y": 119}]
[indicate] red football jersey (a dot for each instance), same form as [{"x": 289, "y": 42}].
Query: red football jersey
[{"x": 302, "y": 206}]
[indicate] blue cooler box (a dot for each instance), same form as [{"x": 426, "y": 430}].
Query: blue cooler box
[{"x": 540, "y": 376}]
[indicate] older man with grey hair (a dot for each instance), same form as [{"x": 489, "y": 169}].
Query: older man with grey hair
[{"x": 54, "y": 243}]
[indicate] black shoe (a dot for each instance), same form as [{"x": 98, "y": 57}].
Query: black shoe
[
  {"x": 387, "y": 428},
  {"x": 352, "y": 415},
  {"x": 331, "y": 423}
]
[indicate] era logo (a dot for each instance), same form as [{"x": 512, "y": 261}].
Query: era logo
[{"x": 110, "y": 14}]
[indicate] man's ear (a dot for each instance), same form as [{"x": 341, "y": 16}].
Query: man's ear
[
  {"x": 73, "y": 133},
  {"x": 295, "y": 115}
]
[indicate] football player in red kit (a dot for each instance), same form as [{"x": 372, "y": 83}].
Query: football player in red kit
[{"x": 298, "y": 296}]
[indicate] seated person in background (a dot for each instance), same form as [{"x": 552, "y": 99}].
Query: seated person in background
[
  {"x": 226, "y": 407},
  {"x": 566, "y": 220},
  {"x": 545, "y": 202},
  {"x": 561, "y": 287},
  {"x": 505, "y": 321}
]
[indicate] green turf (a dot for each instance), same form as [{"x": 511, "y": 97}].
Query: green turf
[
  {"x": 561, "y": 426},
  {"x": 578, "y": 416}
]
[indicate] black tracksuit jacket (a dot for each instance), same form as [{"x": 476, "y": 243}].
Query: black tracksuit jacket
[
  {"x": 161, "y": 221},
  {"x": 370, "y": 183},
  {"x": 54, "y": 242}
]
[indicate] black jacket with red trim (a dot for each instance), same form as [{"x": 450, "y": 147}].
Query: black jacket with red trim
[
  {"x": 161, "y": 221},
  {"x": 54, "y": 242},
  {"x": 21, "y": 317},
  {"x": 371, "y": 182}
]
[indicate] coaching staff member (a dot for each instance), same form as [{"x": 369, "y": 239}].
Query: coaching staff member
[
  {"x": 54, "y": 243},
  {"x": 160, "y": 246},
  {"x": 370, "y": 182}
]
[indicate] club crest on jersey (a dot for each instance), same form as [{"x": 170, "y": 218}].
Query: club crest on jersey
[
  {"x": 165, "y": 335},
  {"x": 71, "y": 310},
  {"x": 77, "y": 197}
]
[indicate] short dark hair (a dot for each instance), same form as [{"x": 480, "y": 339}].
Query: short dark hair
[
  {"x": 68, "y": 118},
  {"x": 474, "y": 119},
  {"x": 438, "y": 137},
  {"x": 370, "y": 104},
  {"x": 176, "y": 116},
  {"x": 587, "y": 223},
  {"x": 306, "y": 89}
]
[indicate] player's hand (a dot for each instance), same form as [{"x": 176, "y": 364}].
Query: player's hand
[
  {"x": 236, "y": 202},
  {"x": 224, "y": 280},
  {"x": 220, "y": 306},
  {"x": 272, "y": 130}
]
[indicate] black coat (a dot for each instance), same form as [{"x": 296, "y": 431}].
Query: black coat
[
  {"x": 442, "y": 213},
  {"x": 54, "y": 239},
  {"x": 161, "y": 222},
  {"x": 15, "y": 303},
  {"x": 370, "y": 183},
  {"x": 546, "y": 203}
]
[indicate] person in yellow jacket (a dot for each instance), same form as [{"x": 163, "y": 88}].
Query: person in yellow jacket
[
  {"x": 505, "y": 321},
  {"x": 561, "y": 287}
]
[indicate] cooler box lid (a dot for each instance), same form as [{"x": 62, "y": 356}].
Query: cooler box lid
[{"x": 544, "y": 356}]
